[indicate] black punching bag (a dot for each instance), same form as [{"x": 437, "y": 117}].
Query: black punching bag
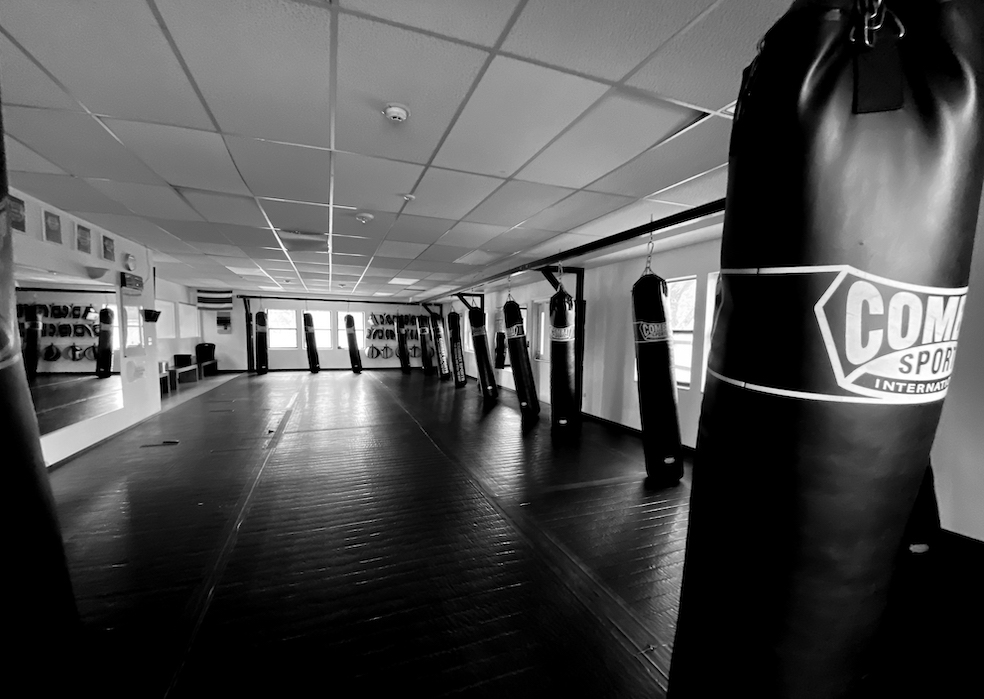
[
  {"x": 314, "y": 364},
  {"x": 104, "y": 347},
  {"x": 426, "y": 350},
  {"x": 401, "y": 343},
  {"x": 564, "y": 409},
  {"x": 32, "y": 341},
  {"x": 457, "y": 353},
  {"x": 480, "y": 343},
  {"x": 500, "y": 342},
  {"x": 353, "y": 344},
  {"x": 443, "y": 364},
  {"x": 856, "y": 167},
  {"x": 657, "y": 384},
  {"x": 519, "y": 359},
  {"x": 262, "y": 348}
]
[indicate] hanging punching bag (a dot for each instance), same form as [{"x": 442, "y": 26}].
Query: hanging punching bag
[
  {"x": 104, "y": 348},
  {"x": 843, "y": 285},
  {"x": 426, "y": 349},
  {"x": 314, "y": 364},
  {"x": 500, "y": 341},
  {"x": 443, "y": 364},
  {"x": 480, "y": 343},
  {"x": 564, "y": 406},
  {"x": 353, "y": 344},
  {"x": 519, "y": 359},
  {"x": 401, "y": 344},
  {"x": 262, "y": 353},
  {"x": 657, "y": 384},
  {"x": 457, "y": 353},
  {"x": 32, "y": 341}
]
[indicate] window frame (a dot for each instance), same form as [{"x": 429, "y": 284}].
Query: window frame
[
  {"x": 315, "y": 313},
  {"x": 360, "y": 328},
  {"x": 676, "y": 333},
  {"x": 710, "y": 308},
  {"x": 271, "y": 327}
]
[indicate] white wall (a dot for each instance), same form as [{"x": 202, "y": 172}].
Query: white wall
[
  {"x": 180, "y": 344},
  {"x": 138, "y": 368}
]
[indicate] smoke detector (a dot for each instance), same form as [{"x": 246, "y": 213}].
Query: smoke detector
[
  {"x": 364, "y": 218},
  {"x": 408, "y": 197},
  {"x": 396, "y": 112}
]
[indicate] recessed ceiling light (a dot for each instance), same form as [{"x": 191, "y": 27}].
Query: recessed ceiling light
[
  {"x": 382, "y": 293},
  {"x": 402, "y": 282}
]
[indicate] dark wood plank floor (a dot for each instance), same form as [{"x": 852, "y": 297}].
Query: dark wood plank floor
[{"x": 65, "y": 399}]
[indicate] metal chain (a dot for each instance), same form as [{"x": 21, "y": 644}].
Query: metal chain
[
  {"x": 873, "y": 14},
  {"x": 649, "y": 254}
]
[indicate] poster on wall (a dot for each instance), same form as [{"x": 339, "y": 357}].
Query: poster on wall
[
  {"x": 108, "y": 248},
  {"x": 52, "y": 228},
  {"x": 83, "y": 239},
  {"x": 17, "y": 219},
  {"x": 223, "y": 322}
]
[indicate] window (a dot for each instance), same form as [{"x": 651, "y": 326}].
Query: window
[
  {"x": 322, "y": 329},
  {"x": 360, "y": 328},
  {"x": 541, "y": 333},
  {"x": 282, "y": 328},
  {"x": 710, "y": 312},
  {"x": 467, "y": 344},
  {"x": 682, "y": 297},
  {"x": 134, "y": 326}
]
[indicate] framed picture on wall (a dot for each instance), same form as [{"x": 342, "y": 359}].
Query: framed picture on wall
[
  {"x": 52, "y": 228},
  {"x": 108, "y": 248},
  {"x": 83, "y": 239},
  {"x": 17, "y": 220}
]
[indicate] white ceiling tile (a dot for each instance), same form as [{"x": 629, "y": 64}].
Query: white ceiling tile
[
  {"x": 617, "y": 129},
  {"x": 443, "y": 253},
  {"x": 285, "y": 172},
  {"x": 696, "y": 150},
  {"x": 147, "y": 199},
  {"x": 443, "y": 276},
  {"x": 142, "y": 231},
  {"x": 478, "y": 257},
  {"x": 515, "y": 202},
  {"x": 393, "y": 248},
  {"x": 218, "y": 233},
  {"x": 262, "y": 66},
  {"x": 447, "y": 194},
  {"x": 418, "y": 229},
  {"x": 518, "y": 239},
  {"x": 576, "y": 210},
  {"x": 23, "y": 159},
  {"x": 26, "y": 84},
  {"x": 700, "y": 190},
  {"x": 391, "y": 263},
  {"x": 226, "y": 208},
  {"x": 628, "y": 217},
  {"x": 513, "y": 113},
  {"x": 76, "y": 142},
  {"x": 373, "y": 183},
  {"x": 111, "y": 56},
  {"x": 65, "y": 192},
  {"x": 560, "y": 243},
  {"x": 431, "y": 266},
  {"x": 356, "y": 246},
  {"x": 378, "y": 64},
  {"x": 183, "y": 157},
  {"x": 478, "y": 21},
  {"x": 593, "y": 37},
  {"x": 311, "y": 257},
  {"x": 703, "y": 65},
  {"x": 471, "y": 235},
  {"x": 291, "y": 216},
  {"x": 377, "y": 228},
  {"x": 304, "y": 243}
]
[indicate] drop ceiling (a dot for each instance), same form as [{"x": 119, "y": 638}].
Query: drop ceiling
[{"x": 240, "y": 139}]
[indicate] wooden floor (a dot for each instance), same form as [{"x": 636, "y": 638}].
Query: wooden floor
[
  {"x": 64, "y": 399},
  {"x": 376, "y": 535}
]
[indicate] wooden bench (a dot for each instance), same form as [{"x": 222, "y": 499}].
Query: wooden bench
[
  {"x": 208, "y": 368},
  {"x": 178, "y": 372}
]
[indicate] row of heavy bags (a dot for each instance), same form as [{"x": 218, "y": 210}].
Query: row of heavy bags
[{"x": 31, "y": 343}]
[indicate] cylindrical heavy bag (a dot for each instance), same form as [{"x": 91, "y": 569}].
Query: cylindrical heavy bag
[
  {"x": 37, "y": 582},
  {"x": 104, "y": 348},
  {"x": 262, "y": 347},
  {"x": 500, "y": 341},
  {"x": 854, "y": 183},
  {"x": 519, "y": 359},
  {"x": 457, "y": 353},
  {"x": 32, "y": 341},
  {"x": 353, "y": 344},
  {"x": 480, "y": 343},
  {"x": 657, "y": 385},
  {"x": 426, "y": 349},
  {"x": 314, "y": 363},
  {"x": 564, "y": 404},
  {"x": 443, "y": 363},
  {"x": 401, "y": 344}
]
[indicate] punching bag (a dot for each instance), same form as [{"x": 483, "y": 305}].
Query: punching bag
[
  {"x": 32, "y": 341},
  {"x": 565, "y": 410},
  {"x": 353, "y": 344},
  {"x": 519, "y": 359},
  {"x": 480, "y": 343},
  {"x": 314, "y": 364},
  {"x": 855, "y": 175},
  {"x": 443, "y": 363},
  {"x": 41, "y": 608},
  {"x": 426, "y": 350},
  {"x": 104, "y": 348},
  {"x": 401, "y": 344},
  {"x": 457, "y": 353},
  {"x": 500, "y": 341},
  {"x": 262, "y": 352},
  {"x": 657, "y": 384}
]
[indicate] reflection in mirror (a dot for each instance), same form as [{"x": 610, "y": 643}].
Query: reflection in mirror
[{"x": 60, "y": 329}]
